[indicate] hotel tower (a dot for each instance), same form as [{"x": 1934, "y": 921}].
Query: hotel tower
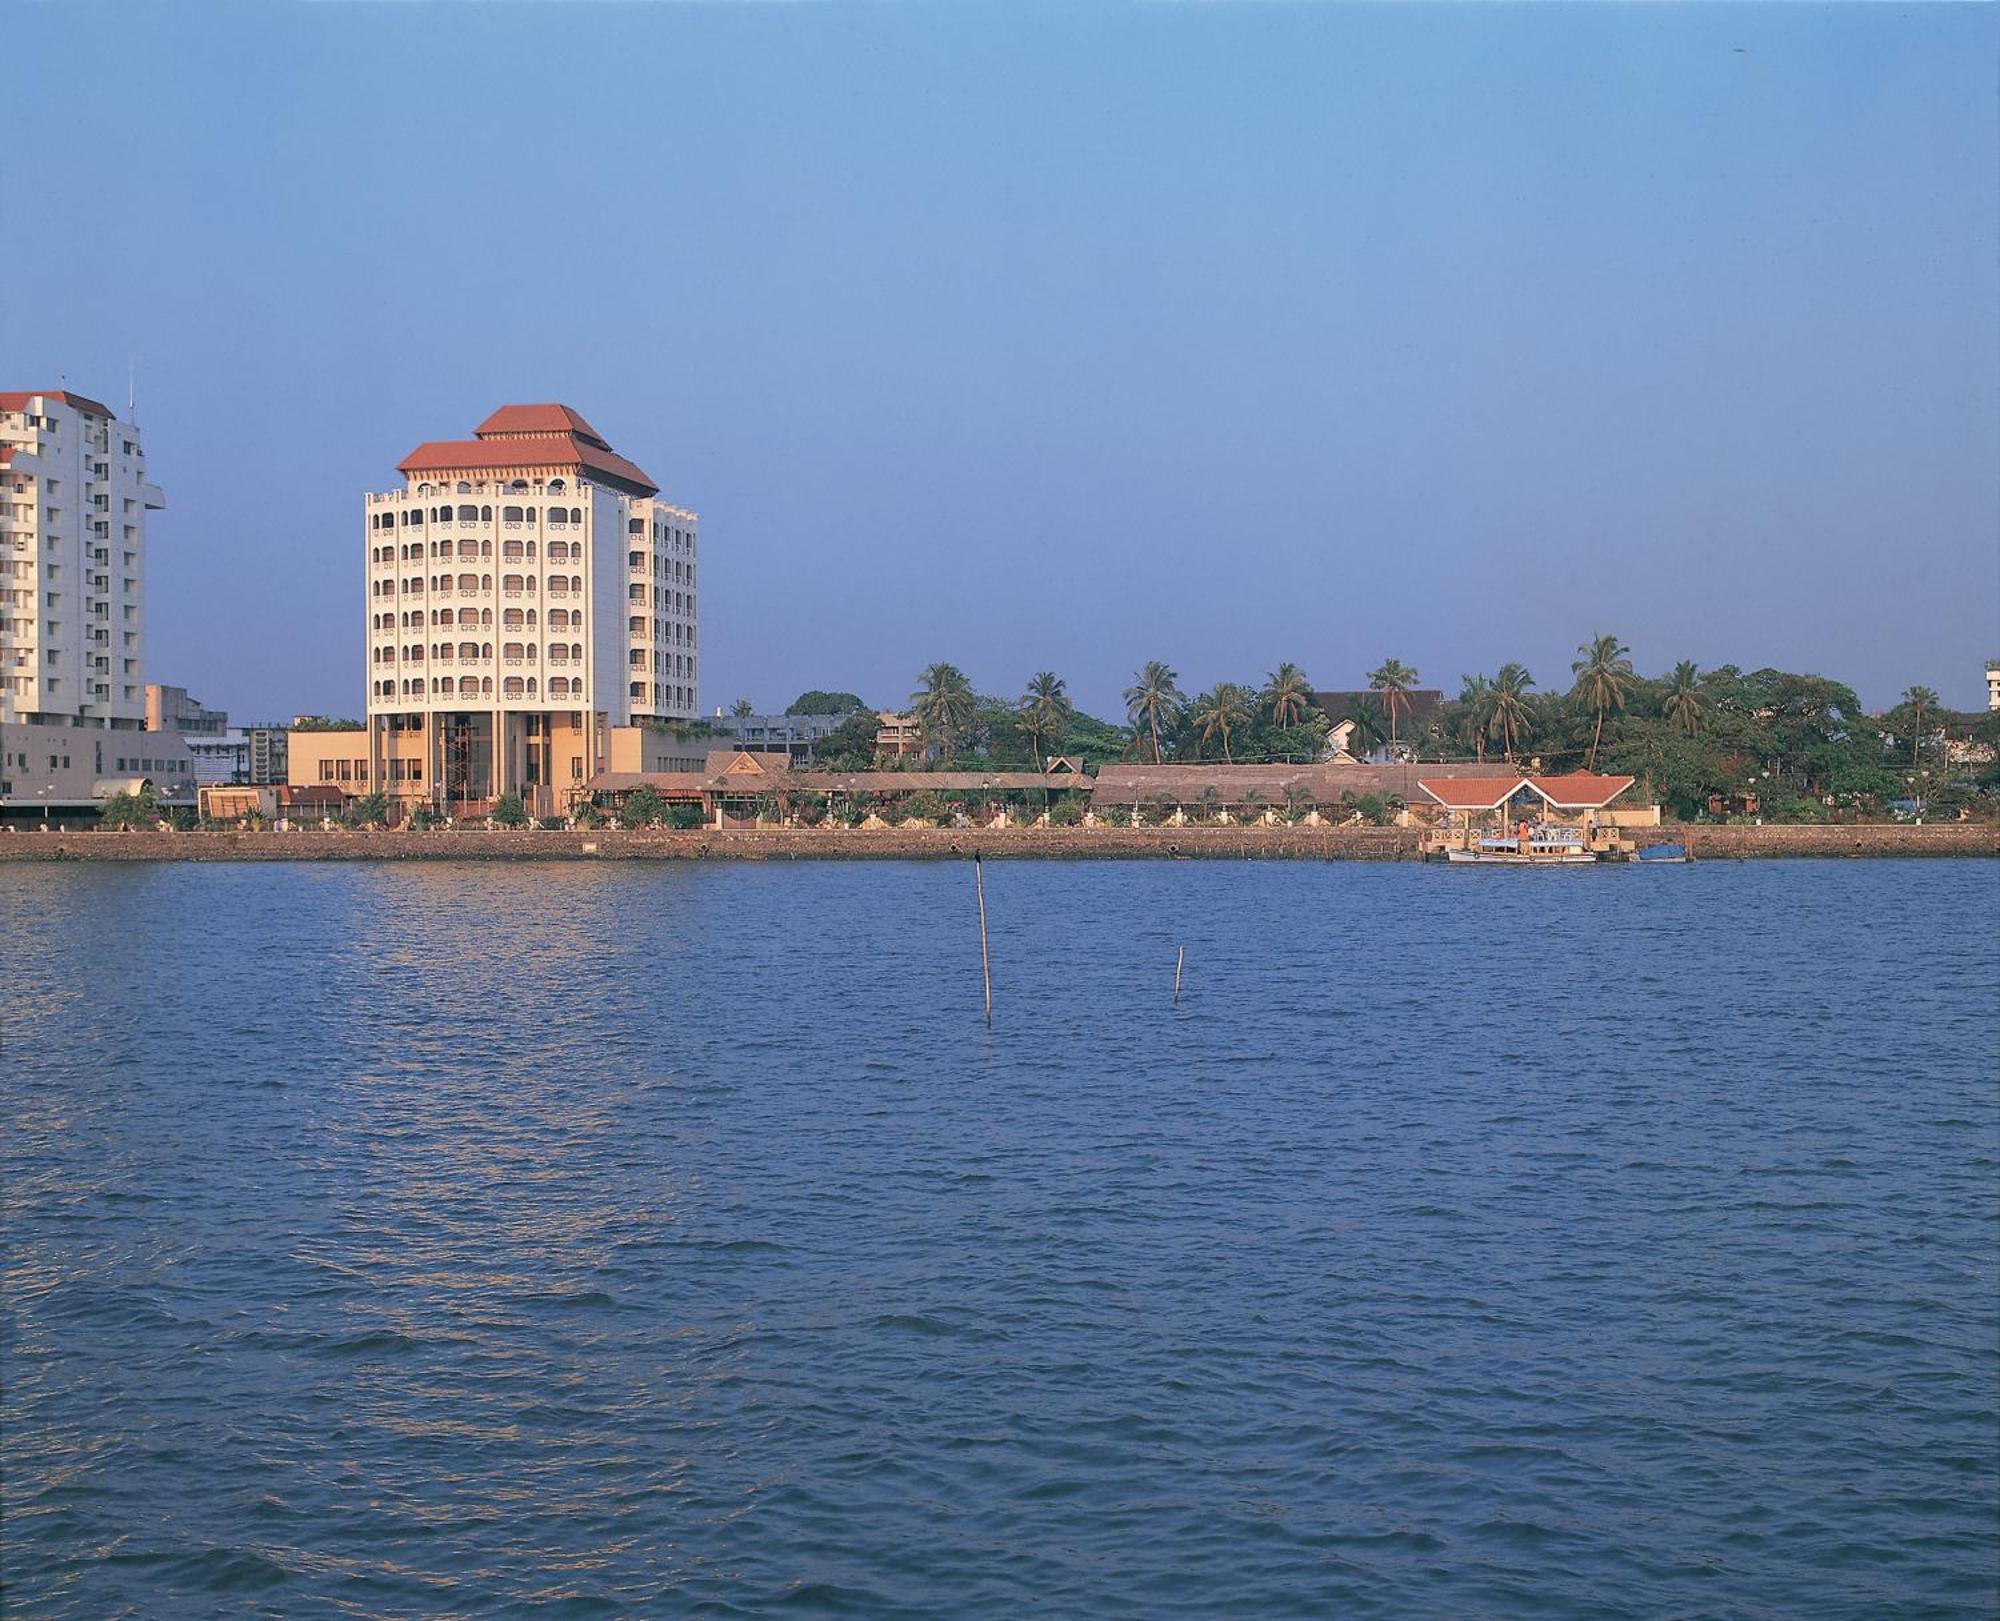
[{"x": 529, "y": 595}]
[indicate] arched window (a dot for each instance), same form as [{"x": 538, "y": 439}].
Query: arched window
[
  {"x": 512, "y": 651},
  {"x": 486, "y": 650},
  {"x": 576, "y": 651},
  {"x": 423, "y": 489},
  {"x": 531, "y": 686},
  {"x": 513, "y": 687},
  {"x": 468, "y": 513},
  {"x": 512, "y": 584},
  {"x": 531, "y": 549},
  {"x": 468, "y": 686},
  {"x": 486, "y": 548},
  {"x": 485, "y": 514},
  {"x": 468, "y": 582},
  {"x": 510, "y": 514},
  {"x": 531, "y": 619},
  {"x": 531, "y": 515},
  {"x": 486, "y": 686},
  {"x": 558, "y": 686},
  {"x": 468, "y": 549},
  {"x": 576, "y": 583},
  {"x": 511, "y": 619},
  {"x": 486, "y": 582},
  {"x": 486, "y": 616},
  {"x": 556, "y": 484},
  {"x": 464, "y": 488},
  {"x": 638, "y": 689},
  {"x": 468, "y": 651}
]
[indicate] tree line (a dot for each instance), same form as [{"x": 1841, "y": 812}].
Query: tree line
[{"x": 1801, "y": 744}]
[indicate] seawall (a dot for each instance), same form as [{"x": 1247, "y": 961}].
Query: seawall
[{"x": 1712, "y": 843}]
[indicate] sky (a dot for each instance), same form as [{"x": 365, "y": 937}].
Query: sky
[{"x": 1056, "y": 337}]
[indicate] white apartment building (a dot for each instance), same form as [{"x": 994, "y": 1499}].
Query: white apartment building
[
  {"x": 527, "y": 592},
  {"x": 73, "y": 503}
]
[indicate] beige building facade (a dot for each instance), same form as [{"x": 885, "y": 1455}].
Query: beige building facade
[{"x": 528, "y": 594}]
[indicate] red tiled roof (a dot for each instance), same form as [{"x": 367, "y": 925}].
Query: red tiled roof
[
  {"x": 1579, "y": 790},
  {"x": 514, "y": 420},
  {"x": 566, "y": 452},
  {"x": 1470, "y": 793},
  {"x": 18, "y": 401}
]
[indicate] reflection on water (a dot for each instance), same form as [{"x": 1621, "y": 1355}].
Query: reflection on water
[{"x": 411, "y": 1240}]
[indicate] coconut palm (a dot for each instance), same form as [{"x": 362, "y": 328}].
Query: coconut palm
[
  {"x": 1044, "y": 711},
  {"x": 1603, "y": 677},
  {"x": 1287, "y": 695},
  {"x": 1393, "y": 680},
  {"x": 943, "y": 706},
  {"x": 1508, "y": 717},
  {"x": 1475, "y": 705},
  {"x": 1371, "y": 727},
  {"x": 1918, "y": 699},
  {"x": 1153, "y": 701},
  {"x": 742, "y": 709},
  {"x": 1685, "y": 707},
  {"x": 1221, "y": 710}
]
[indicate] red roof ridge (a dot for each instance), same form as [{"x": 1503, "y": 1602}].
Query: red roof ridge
[
  {"x": 516, "y": 421},
  {"x": 17, "y": 400}
]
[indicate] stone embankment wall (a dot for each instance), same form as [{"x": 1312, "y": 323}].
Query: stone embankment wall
[{"x": 778, "y": 844}]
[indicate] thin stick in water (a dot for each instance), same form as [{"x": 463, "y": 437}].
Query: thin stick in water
[
  {"x": 985, "y": 962},
  {"x": 1180, "y": 956}
]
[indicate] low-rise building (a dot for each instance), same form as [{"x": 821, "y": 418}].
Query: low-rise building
[{"x": 170, "y": 709}]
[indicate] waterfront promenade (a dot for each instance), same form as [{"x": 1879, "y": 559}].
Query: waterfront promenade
[{"x": 1715, "y": 843}]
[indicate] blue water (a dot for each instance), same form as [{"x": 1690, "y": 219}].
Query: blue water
[{"x": 675, "y": 1240}]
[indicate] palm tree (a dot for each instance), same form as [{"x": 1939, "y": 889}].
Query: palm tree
[
  {"x": 1508, "y": 719},
  {"x": 1220, "y": 711},
  {"x": 1685, "y": 706},
  {"x": 1371, "y": 729},
  {"x": 1045, "y": 710},
  {"x": 1154, "y": 700},
  {"x": 1393, "y": 681},
  {"x": 742, "y": 709},
  {"x": 1918, "y": 699},
  {"x": 1287, "y": 695},
  {"x": 1475, "y": 702},
  {"x": 1603, "y": 676},
  {"x": 943, "y": 706}
]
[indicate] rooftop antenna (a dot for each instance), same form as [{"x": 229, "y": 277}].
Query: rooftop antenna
[{"x": 132, "y": 392}]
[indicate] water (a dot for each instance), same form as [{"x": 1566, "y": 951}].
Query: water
[{"x": 673, "y": 1240}]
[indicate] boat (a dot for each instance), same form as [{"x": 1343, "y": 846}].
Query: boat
[
  {"x": 1662, "y": 853},
  {"x": 1539, "y": 844}
]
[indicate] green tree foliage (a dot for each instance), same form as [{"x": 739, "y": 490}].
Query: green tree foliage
[
  {"x": 1603, "y": 679},
  {"x": 508, "y": 811},
  {"x": 1153, "y": 703},
  {"x": 1221, "y": 711},
  {"x": 1286, "y": 697},
  {"x": 370, "y": 810},
  {"x": 130, "y": 812},
  {"x": 817, "y": 702},
  {"x": 850, "y": 746},
  {"x": 1393, "y": 680},
  {"x": 944, "y": 707},
  {"x": 1045, "y": 710},
  {"x": 643, "y": 807}
]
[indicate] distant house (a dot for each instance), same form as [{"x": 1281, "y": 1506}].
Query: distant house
[
  {"x": 898, "y": 734},
  {"x": 1343, "y": 708}
]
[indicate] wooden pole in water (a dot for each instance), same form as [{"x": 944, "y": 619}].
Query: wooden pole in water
[
  {"x": 985, "y": 961},
  {"x": 1180, "y": 956}
]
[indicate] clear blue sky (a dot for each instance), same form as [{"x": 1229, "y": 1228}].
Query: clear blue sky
[{"x": 1058, "y": 337}]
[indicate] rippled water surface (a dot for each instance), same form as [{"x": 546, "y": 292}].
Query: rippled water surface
[{"x": 675, "y": 1240}]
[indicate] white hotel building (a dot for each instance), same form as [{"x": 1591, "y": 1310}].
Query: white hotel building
[
  {"x": 73, "y": 502},
  {"x": 528, "y": 595}
]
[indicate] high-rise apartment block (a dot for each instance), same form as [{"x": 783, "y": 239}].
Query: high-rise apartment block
[
  {"x": 527, "y": 592},
  {"x": 73, "y": 503}
]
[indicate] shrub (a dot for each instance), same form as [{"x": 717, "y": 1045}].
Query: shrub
[
  {"x": 685, "y": 818},
  {"x": 587, "y": 816},
  {"x": 642, "y": 808},
  {"x": 421, "y": 819},
  {"x": 508, "y": 811},
  {"x": 810, "y": 809},
  {"x": 370, "y": 810},
  {"x": 129, "y": 812},
  {"x": 1114, "y": 816},
  {"x": 923, "y": 807},
  {"x": 1066, "y": 812},
  {"x": 552, "y": 824}
]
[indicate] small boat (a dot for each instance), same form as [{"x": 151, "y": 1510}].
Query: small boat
[
  {"x": 1662, "y": 853},
  {"x": 1544, "y": 844}
]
